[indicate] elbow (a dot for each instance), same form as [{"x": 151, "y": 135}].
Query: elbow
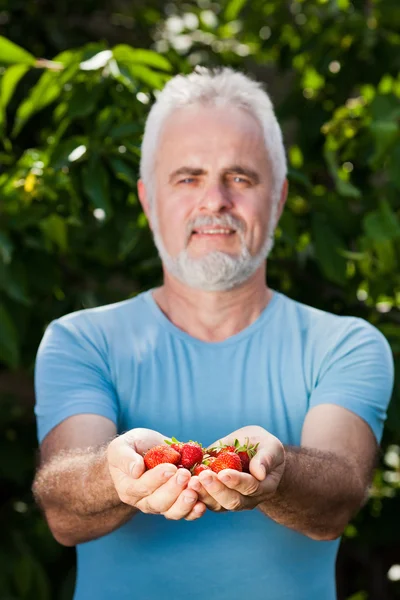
[
  {"x": 326, "y": 535},
  {"x": 54, "y": 522},
  {"x": 62, "y": 539}
]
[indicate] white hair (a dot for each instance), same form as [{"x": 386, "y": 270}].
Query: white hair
[{"x": 217, "y": 87}]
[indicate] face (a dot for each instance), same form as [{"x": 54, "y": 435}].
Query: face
[{"x": 211, "y": 216}]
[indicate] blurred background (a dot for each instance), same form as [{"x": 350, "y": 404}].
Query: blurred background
[{"x": 77, "y": 79}]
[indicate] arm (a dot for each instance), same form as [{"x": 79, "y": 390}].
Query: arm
[
  {"x": 73, "y": 485},
  {"x": 314, "y": 489},
  {"x": 89, "y": 491},
  {"x": 325, "y": 481}
]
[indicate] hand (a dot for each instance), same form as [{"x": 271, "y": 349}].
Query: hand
[
  {"x": 233, "y": 490},
  {"x": 162, "y": 490}
]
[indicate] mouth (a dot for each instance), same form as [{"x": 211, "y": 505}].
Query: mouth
[{"x": 213, "y": 232}]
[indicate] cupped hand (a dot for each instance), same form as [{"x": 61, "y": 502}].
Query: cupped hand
[
  {"x": 162, "y": 490},
  {"x": 234, "y": 490}
]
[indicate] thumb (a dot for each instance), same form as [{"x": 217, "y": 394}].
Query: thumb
[
  {"x": 122, "y": 456},
  {"x": 270, "y": 455},
  {"x": 259, "y": 465}
]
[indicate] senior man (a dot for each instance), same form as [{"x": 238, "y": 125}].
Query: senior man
[{"x": 212, "y": 354}]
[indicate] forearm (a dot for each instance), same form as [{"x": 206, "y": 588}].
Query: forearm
[
  {"x": 318, "y": 494},
  {"x": 78, "y": 496}
]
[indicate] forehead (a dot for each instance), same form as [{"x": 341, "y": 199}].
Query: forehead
[{"x": 199, "y": 134}]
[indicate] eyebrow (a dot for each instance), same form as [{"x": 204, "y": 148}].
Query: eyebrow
[{"x": 232, "y": 170}]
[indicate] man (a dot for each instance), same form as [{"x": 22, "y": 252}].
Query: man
[{"x": 212, "y": 354}]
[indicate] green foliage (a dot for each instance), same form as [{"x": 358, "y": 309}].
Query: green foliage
[{"x": 72, "y": 234}]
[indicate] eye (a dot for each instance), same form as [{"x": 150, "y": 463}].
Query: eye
[
  {"x": 238, "y": 179},
  {"x": 186, "y": 180}
]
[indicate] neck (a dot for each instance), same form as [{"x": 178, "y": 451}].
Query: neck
[{"x": 213, "y": 316}]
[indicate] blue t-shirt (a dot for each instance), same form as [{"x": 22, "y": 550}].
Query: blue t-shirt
[{"x": 129, "y": 363}]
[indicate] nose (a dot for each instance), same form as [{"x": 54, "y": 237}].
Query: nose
[{"x": 216, "y": 199}]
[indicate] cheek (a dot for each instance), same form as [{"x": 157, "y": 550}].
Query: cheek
[{"x": 172, "y": 223}]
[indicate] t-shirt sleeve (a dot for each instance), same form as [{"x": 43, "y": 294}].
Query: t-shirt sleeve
[
  {"x": 71, "y": 377},
  {"x": 358, "y": 374}
]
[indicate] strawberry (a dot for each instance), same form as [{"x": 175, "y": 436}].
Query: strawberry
[
  {"x": 213, "y": 451},
  {"x": 246, "y": 452},
  {"x": 226, "y": 460},
  {"x": 199, "y": 468},
  {"x": 175, "y": 444},
  {"x": 245, "y": 460},
  {"x": 191, "y": 453},
  {"x": 209, "y": 460},
  {"x": 225, "y": 449},
  {"x": 161, "y": 454}
]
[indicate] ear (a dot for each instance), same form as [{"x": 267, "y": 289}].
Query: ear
[
  {"x": 282, "y": 200},
  {"x": 144, "y": 200}
]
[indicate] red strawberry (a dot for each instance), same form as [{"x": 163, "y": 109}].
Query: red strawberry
[
  {"x": 227, "y": 460},
  {"x": 177, "y": 447},
  {"x": 225, "y": 449},
  {"x": 245, "y": 460},
  {"x": 191, "y": 453},
  {"x": 199, "y": 468},
  {"x": 161, "y": 454},
  {"x": 209, "y": 460},
  {"x": 246, "y": 453},
  {"x": 213, "y": 451},
  {"x": 175, "y": 444}
]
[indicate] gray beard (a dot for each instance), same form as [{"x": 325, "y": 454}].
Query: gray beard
[{"x": 216, "y": 271}]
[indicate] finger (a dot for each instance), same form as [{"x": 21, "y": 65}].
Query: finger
[
  {"x": 210, "y": 502},
  {"x": 197, "y": 512},
  {"x": 161, "y": 500},
  {"x": 245, "y": 484},
  {"x": 133, "y": 490},
  {"x": 229, "y": 499},
  {"x": 183, "y": 506}
]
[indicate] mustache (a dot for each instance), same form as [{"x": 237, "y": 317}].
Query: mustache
[{"x": 227, "y": 221}]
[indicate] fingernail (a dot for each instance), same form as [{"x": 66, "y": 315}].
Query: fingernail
[
  {"x": 182, "y": 478},
  {"x": 263, "y": 471},
  {"x": 131, "y": 467},
  {"x": 207, "y": 480},
  {"x": 189, "y": 499},
  {"x": 226, "y": 478},
  {"x": 199, "y": 509}
]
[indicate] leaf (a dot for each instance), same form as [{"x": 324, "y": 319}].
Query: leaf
[
  {"x": 13, "y": 282},
  {"x": 327, "y": 246},
  {"x": 382, "y": 225},
  {"x": 98, "y": 61},
  {"x": 9, "y": 350},
  {"x": 96, "y": 184},
  {"x": 385, "y": 133},
  {"x": 125, "y": 130},
  {"x": 344, "y": 188},
  {"x": 126, "y": 54},
  {"x": 394, "y": 171},
  {"x": 55, "y": 229},
  {"x": 63, "y": 153},
  {"x": 8, "y": 84},
  {"x": 47, "y": 89},
  {"x": 83, "y": 101},
  {"x": 233, "y": 9},
  {"x": 6, "y": 247},
  {"x": 11, "y": 53},
  {"x": 123, "y": 171},
  {"x": 151, "y": 78}
]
